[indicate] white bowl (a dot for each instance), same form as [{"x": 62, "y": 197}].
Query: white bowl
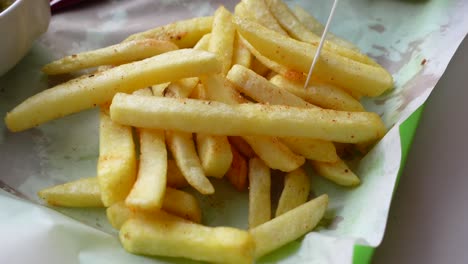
[{"x": 20, "y": 24}]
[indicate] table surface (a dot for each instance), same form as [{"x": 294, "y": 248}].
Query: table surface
[{"x": 429, "y": 212}]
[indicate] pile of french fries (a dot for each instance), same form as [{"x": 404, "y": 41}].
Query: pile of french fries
[{"x": 224, "y": 96}]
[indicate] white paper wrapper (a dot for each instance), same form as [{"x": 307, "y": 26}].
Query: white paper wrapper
[{"x": 399, "y": 34}]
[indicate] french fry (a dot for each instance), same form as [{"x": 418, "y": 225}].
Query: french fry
[
  {"x": 80, "y": 193},
  {"x": 185, "y": 155},
  {"x": 175, "y": 178},
  {"x": 176, "y": 202},
  {"x": 310, "y": 22},
  {"x": 289, "y": 22},
  {"x": 321, "y": 94},
  {"x": 113, "y": 55},
  {"x": 261, "y": 90},
  {"x": 337, "y": 172},
  {"x": 333, "y": 68},
  {"x": 214, "y": 153},
  {"x": 275, "y": 153},
  {"x": 197, "y": 116},
  {"x": 198, "y": 92},
  {"x": 116, "y": 169},
  {"x": 222, "y": 37},
  {"x": 259, "y": 193},
  {"x": 289, "y": 226},
  {"x": 261, "y": 13},
  {"x": 297, "y": 30},
  {"x": 159, "y": 89},
  {"x": 183, "y": 33},
  {"x": 241, "y": 54},
  {"x": 148, "y": 191},
  {"x": 88, "y": 91},
  {"x": 145, "y": 92},
  {"x": 203, "y": 43},
  {"x": 237, "y": 173},
  {"x": 118, "y": 213},
  {"x": 312, "y": 149},
  {"x": 181, "y": 88},
  {"x": 258, "y": 67},
  {"x": 241, "y": 10},
  {"x": 272, "y": 65},
  {"x": 166, "y": 235},
  {"x": 182, "y": 204},
  {"x": 315, "y": 26},
  {"x": 242, "y": 146},
  {"x": 217, "y": 88},
  {"x": 295, "y": 192}
]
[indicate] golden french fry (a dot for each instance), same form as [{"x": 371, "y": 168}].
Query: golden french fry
[
  {"x": 258, "y": 66},
  {"x": 337, "y": 172},
  {"x": 217, "y": 88},
  {"x": 214, "y": 153},
  {"x": 356, "y": 95},
  {"x": 159, "y": 89},
  {"x": 241, "y": 53},
  {"x": 274, "y": 153},
  {"x": 203, "y": 43},
  {"x": 297, "y": 30},
  {"x": 182, "y": 204},
  {"x": 313, "y": 149},
  {"x": 274, "y": 66},
  {"x": 197, "y": 116},
  {"x": 289, "y": 226},
  {"x": 183, "y": 33},
  {"x": 288, "y": 21},
  {"x": 175, "y": 202},
  {"x": 198, "y": 92},
  {"x": 222, "y": 37},
  {"x": 163, "y": 234},
  {"x": 237, "y": 173},
  {"x": 295, "y": 192},
  {"x": 333, "y": 68},
  {"x": 181, "y": 88},
  {"x": 241, "y": 10},
  {"x": 88, "y": 91},
  {"x": 148, "y": 191},
  {"x": 145, "y": 92},
  {"x": 261, "y": 13},
  {"x": 242, "y": 146},
  {"x": 321, "y": 94},
  {"x": 315, "y": 26},
  {"x": 261, "y": 90},
  {"x": 118, "y": 213},
  {"x": 80, "y": 193},
  {"x": 116, "y": 169},
  {"x": 175, "y": 178},
  {"x": 310, "y": 22},
  {"x": 113, "y": 55},
  {"x": 259, "y": 193},
  {"x": 185, "y": 155}
]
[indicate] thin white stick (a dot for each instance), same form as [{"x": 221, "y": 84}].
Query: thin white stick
[{"x": 322, "y": 40}]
